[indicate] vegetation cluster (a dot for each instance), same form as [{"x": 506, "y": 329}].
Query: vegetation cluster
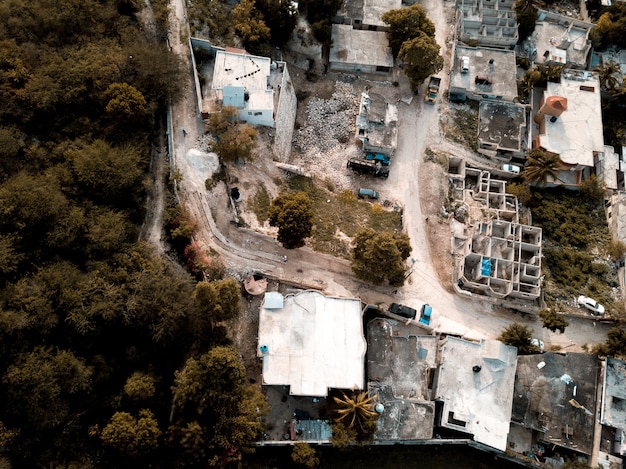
[{"x": 111, "y": 356}]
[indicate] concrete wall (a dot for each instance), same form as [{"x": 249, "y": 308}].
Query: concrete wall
[
  {"x": 285, "y": 118},
  {"x": 354, "y": 68}
]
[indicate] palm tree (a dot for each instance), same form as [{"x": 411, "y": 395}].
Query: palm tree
[
  {"x": 541, "y": 166},
  {"x": 356, "y": 411},
  {"x": 607, "y": 74}
]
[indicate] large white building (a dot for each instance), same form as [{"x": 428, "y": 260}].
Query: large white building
[{"x": 311, "y": 343}]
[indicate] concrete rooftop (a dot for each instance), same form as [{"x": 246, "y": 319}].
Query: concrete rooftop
[
  {"x": 502, "y": 71},
  {"x": 477, "y": 400},
  {"x": 545, "y": 394},
  {"x": 354, "y": 46},
  {"x": 399, "y": 369},
  {"x": 577, "y": 133},
  {"x": 312, "y": 344},
  {"x": 244, "y": 71},
  {"x": 501, "y": 123}
]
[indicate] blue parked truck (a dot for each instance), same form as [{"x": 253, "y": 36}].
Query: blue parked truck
[{"x": 378, "y": 158}]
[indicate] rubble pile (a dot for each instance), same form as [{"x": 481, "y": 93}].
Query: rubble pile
[{"x": 326, "y": 141}]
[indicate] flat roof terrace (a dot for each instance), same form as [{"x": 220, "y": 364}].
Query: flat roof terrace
[{"x": 313, "y": 343}]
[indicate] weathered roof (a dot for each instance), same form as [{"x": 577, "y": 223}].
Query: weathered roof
[
  {"x": 497, "y": 64},
  {"x": 354, "y": 46},
  {"x": 546, "y": 397},
  {"x": 501, "y": 123},
  {"x": 475, "y": 384},
  {"x": 614, "y": 394},
  {"x": 313, "y": 343},
  {"x": 236, "y": 71}
]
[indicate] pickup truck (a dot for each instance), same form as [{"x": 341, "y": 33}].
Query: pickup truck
[{"x": 433, "y": 90}]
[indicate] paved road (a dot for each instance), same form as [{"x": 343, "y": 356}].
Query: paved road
[{"x": 245, "y": 251}]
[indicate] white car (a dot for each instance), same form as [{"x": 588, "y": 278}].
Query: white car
[
  {"x": 511, "y": 168},
  {"x": 538, "y": 343},
  {"x": 591, "y": 304}
]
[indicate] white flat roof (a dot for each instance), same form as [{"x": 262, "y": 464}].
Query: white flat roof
[
  {"x": 483, "y": 399},
  {"x": 313, "y": 343},
  {"x": 577, "y": 133},
  {"x": 246, "y": 71}
]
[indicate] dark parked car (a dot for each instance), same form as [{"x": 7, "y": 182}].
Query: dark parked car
[{"x": 403, "y": 311}]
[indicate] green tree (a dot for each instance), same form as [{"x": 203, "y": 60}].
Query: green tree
[
  {"x": 238, "y": 430},
  {"x": 125, "y": 102},
  {"x": 342, "y": 436},
  {"x": 609, "y": 30},
  {"x": 553, "y": 321},
  {"x": 421, "y": 57},
  {"x": 355, "y": 410},
  {"x": 406, "y": 24},
  {"x": 106, "y": 173},
  {"x": 379, "y": 257},
  {"x": 41, "y": 384},
  {"x": 106, "y": 230},
  {"x": 250, "y": 26},
  {"x": 609, "y": 75},
  {"x": 615, "y": 345},
  {"x": 132, "y": 436},
  {"x": 303, "y": 454},
  {"x": 527, "y": 14},
  {"x": 140, "y": 386},
  {"x": 232, "y": 140},
  {"x": 521, "y": 191},
  {"x": 518, "y": 335},
  {"x": 292, "y": 213},
  {"x": 541, "y": 167},
  {"x": 592, "y": 191},
  {"x": 281, "y": 17},
  {"x": 214, "y": 382}
]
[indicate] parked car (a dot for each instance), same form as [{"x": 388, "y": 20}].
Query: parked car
[
  {"x": 465, "y": 64},
  {"x": 425, "y": 313},
  {"x": 483, "y": 80},
  {"x": 368, "y": 194},
  {"x": 592, "y": 305},
  {"x": 403, "y": 311},
  {"x": 511, "y": 168},
  {"x": 538, "y": 343}
]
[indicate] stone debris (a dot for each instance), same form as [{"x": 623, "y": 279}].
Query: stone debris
[{"x": 326, "y": 141}]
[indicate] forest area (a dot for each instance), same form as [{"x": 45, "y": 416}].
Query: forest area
[{"x": 110, "y": 356}]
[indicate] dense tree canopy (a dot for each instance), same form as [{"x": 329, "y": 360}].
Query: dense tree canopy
[
  {"x": 379, "y": 257},
  {"x": 232, "y": 140},
  {"x": 421, "y": 58},
  {"x": 292, "y": 213},
  {"x": 610, "y": 27},
  {"x": 406, "y": 24},
  {"x": 93, "y": 325},
  {"x": 520, "y": 336}
]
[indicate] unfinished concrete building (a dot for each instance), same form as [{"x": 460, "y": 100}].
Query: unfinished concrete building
[
  {"x": 376, "y": 124},
  {"x": 488, "y": 22},
  {"x": 560, "y": 40},
  {"x": 504, "y": 262}
]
